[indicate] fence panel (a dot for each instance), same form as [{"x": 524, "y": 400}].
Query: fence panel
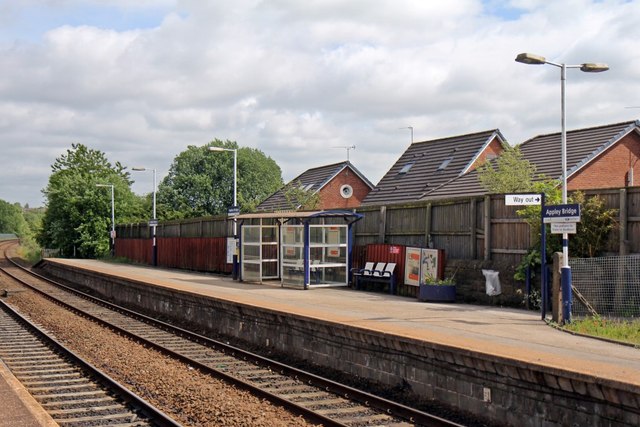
[
  {"x": 194, "y": 253},
  {"x": 611, "y": 285},
  {"x": 136, "y": 250}
]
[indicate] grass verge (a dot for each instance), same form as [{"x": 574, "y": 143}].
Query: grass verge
[{"x": 619, "y": 330}]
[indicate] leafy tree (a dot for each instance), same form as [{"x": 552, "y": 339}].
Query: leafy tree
[
  {"x": 508, "y": 173},
  {"x": 78, "y": 216},
  {"x": 11, "y": 219},
  {"x": 200, "y": 182},
  {"x": 299, "y": 198},
  {"x": 596, "y": 222}
]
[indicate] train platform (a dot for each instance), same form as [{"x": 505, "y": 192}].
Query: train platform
[
  {"x": 19, "y": 408},
  {"x": 504, "y": 332}
]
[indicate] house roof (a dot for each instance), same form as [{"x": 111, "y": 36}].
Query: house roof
[
  {"x": 583, "y": 145},
  {"x": 545, "y": 152},
  {"x": 427, "y": 165},
  {"x": 311, "y": 180}
]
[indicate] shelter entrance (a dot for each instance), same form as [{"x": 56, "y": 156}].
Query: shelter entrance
[{"x": 301, "y": 249}]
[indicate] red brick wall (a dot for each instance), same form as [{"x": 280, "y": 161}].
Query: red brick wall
[
  {"x": 330, "y": 197},
  {"x": 494, "y": 148},
  {"x": 610, "y": 168}
]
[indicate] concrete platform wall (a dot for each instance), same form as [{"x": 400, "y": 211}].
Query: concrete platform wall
[{"x": 505, "y": 391}]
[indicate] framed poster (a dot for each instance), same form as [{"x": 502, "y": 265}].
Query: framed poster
[
  {"x": 430, "y": 265},
  {"x": 412, "y": 266},
  {"x": 422, "y": 264}
]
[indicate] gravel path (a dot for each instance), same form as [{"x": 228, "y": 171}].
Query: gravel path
[{"x": 192, "y": 398}]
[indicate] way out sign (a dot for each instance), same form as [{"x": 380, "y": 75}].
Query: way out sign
[{"x": 522, "y": 199}]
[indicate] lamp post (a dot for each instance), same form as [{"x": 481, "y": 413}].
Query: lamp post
[
  {"x": 531, "y": 59},
  {"x": 235, "y": 200},
  {"x": 154, "y": 219},
  {"x": 113, "y": 218}
]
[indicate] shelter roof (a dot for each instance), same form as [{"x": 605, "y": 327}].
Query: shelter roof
[{"x": 286, "y": 215}]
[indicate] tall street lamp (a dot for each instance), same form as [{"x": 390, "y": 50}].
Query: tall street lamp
[
  {"x": 113, "y": 218},
  {"x": 531, "y": 59},
  {"x": 154, "y": 219},
  {"x": 235, "y": 200}
]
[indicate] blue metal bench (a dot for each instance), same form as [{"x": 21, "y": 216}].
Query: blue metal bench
[{"x": 381, "y": 273}]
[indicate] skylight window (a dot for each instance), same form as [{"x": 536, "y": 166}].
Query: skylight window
[
  {"x": 405, "y": 168},
  {"x": 445, "y": 163}
]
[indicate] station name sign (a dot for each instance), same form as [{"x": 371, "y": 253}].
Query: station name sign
[{"x": 561, "y": 213}]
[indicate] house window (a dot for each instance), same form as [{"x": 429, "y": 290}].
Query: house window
[
  {"x": 445, "y": 163},
  {"x": 405, "y": 168}
]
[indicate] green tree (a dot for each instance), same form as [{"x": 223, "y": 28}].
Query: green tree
[
  {"x": 508, "y": 173},
  {"x": 299, "y": 198},
  {"x": 12, "y": 220},
  {"x": 200, "y": 182},
  {"x": 78, "y": 216},
  {"x": 596, "y": 222}
]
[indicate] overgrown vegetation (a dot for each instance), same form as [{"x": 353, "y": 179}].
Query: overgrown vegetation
[
  {"x": 25, "y": 223},
  {"x": 618, "y": 330},
  {"x": 508, "y": 173}
]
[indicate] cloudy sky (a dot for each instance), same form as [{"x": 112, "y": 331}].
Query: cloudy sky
[{"x": 300, "y": 80}]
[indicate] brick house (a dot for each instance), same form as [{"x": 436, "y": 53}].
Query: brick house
[
  {"x": 426, "y": 166},
  {"x": 339, "y": 185},
  {"x": 597, "y": 157}
]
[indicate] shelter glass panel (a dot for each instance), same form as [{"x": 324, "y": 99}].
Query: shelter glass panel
[{"x": 251, "y": 272}]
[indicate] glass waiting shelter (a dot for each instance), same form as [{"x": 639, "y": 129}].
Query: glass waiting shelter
[{"x": 300, "y": 249}]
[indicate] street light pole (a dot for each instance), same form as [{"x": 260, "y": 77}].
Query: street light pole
[
  {"x": 235, "y": 200},
  {"x": 531, "y": 59},
  {"x": 154, "y": 220},
  {"x": 113, "y": 218}
]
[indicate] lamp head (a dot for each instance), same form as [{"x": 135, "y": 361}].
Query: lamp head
[
  {"x": 530, "y": 58},
  {"x": 139, "y": 169},
  {"x": 594, "y": 68},
  {"x": 216, "y": 149}
]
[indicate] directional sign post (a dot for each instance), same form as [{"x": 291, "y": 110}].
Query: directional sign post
[{"x": 522, "y": 199}]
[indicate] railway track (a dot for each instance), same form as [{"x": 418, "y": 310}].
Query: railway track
[
  {"x": 318, "y": 399},
  {"x": 72, "y": 391}
]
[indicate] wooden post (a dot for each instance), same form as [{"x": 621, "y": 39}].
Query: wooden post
[
  {"x": 472, "y": 228},
  {"x": 487, "y": 228},
  {"x": 624, "y": 218},
  {"x": 427, "y": 227},
  {"x": 382, "y": 223}
]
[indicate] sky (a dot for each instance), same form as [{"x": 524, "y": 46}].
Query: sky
[{"x": 300, "y": 80}]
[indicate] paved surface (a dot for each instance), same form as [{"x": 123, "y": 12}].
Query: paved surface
[
  {"x": 17, "y": 407},
  {"x": 509, "y": 333}
]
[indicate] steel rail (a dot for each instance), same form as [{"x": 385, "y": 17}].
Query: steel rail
[
  {"x": 386, "y": 406},
  {"x": 154, "y": 415}
]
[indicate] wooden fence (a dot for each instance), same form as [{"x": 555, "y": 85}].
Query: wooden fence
[{"x": 472, "y": 228}]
